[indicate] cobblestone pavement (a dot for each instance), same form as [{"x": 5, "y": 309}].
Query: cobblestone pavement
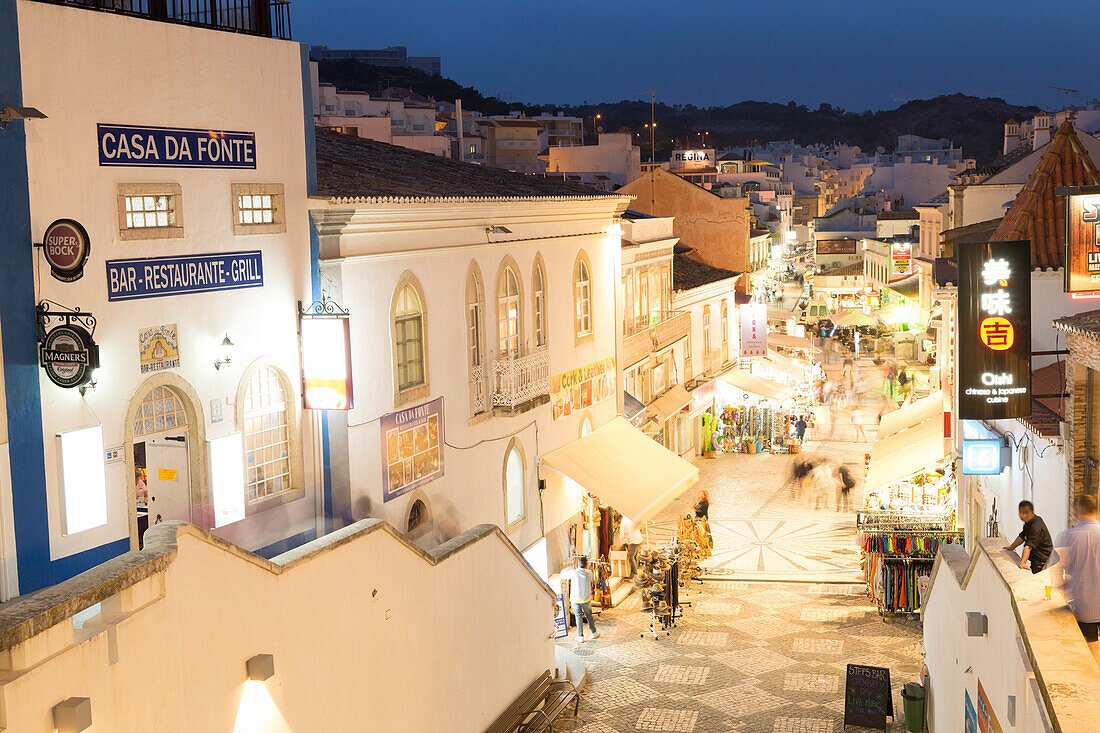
[{"x": 764, "y": 650}]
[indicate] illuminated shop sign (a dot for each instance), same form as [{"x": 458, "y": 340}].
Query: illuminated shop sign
[
  {"x": 995, "y": 330},
  {"x": 681, "y": 159},
  {"x": 175, "y": 147},
  {"x": 836, "y": 247},
  {"x": 754, "y": 329},
  {"x": 326, "y": 363},
  {"x": 901, "y": 258},
  {"x": 985, "y": 457},
  {"x": 66, "y": 246},
  {"x": 1083, "y": 241}
]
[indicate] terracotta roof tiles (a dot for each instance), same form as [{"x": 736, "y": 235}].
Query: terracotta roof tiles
[
  {"x": 1037, "y": 214},
  {"x": 354, "y": 167}
]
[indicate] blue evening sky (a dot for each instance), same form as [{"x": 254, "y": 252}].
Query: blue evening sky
[{"x": 856, "y": 55}]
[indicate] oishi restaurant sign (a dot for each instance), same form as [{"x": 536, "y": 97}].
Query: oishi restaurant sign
[
  {"x": 995, "y": 330},
  {"x": 1082, "y": 242},
  {"x": 174, "y": 147}
]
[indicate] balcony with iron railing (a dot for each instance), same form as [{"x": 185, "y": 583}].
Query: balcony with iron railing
[
  {"x": 521, "y": 382},
  {"x": 267, "y": 18},
  {"x": 659, "y": 330}
]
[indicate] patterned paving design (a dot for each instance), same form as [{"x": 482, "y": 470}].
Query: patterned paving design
[{"x": 763, "y": 647}]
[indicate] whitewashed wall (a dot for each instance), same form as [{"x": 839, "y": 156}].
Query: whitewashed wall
[
  {"x": 366, "y": 634},
  {"x": 1028, "y": 638},
  {"x": 81, "y": 68},
  {"x": 437, "y": 244}
]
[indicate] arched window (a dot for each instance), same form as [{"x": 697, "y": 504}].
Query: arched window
[
  {"x": 408, "y": 337},
  {"x": 508, "y": 313},
  {"x": 417, "y": 515},
  {"x": 266, "y": 435},
  {"x": 474, "y": 300},
  {"x": 514, "y": 494},
  {"x": 582, "y": 296},
  {"x": 538, "y": 286}
]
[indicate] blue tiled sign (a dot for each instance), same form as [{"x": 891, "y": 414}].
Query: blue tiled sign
[
  {"x": 174, "y": 147},
  {"x": 155, "y": 277}
]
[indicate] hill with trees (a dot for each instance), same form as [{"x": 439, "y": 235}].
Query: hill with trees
[{"x": 974, "y": 123}]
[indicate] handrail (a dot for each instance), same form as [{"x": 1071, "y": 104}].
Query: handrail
[
  {"x": 266, "y": 18},
  {"x": 27, "y": 616}
]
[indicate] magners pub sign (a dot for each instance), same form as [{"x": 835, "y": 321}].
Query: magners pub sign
[{"x": 994, "y": 330}]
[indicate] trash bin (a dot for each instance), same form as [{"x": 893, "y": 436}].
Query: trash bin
[{"x": 913, "y": 701}]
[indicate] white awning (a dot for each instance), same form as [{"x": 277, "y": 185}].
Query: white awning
[
  {"x": 757, "y": 386},
  {"x": 926, "y": 408},
  {"x": 785, "y": 365},
  {"x": 788, "y": 341},
  {"x": 906, "y": 452},
  {"x": 670, "y": 402},
  {"x": 616, "y": 462}
]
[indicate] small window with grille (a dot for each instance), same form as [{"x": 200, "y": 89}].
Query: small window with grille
[
  {"x": 258, "y": 208},
  {"x": 150, "y": 211}
]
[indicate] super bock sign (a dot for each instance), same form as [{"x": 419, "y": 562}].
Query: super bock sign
[{"x": 66, "y": 247}]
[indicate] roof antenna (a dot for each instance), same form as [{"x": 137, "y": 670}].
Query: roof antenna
[{"x": 1067, "y": 92}]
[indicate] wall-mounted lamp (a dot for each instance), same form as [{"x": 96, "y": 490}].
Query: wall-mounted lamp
[
  {"x": 260, "y": 667},
  {"x": 90, "y": 384},
  {"x": 225, "y": 353},
  {"x": 9, "y": 113},
  {"x": 72, "y": 715}
]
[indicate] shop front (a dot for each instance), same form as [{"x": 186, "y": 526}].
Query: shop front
[
  {"x": 614, "y": 472},
  {"x": 754, "y": 415},
  {"x": 909, "y": 506}
]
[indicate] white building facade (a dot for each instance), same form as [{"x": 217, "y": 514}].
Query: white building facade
[{"x": 180, "y": 190}]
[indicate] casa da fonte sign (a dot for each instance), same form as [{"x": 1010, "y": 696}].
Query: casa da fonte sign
[
  {"x": 994, "y": 330},
  {"x": 175, "y": 147}
]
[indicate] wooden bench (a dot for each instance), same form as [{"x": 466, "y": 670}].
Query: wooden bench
[{"x": 538, "y": 706}]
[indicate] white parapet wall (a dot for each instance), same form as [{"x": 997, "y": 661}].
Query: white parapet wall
[
  {"x": 367, "y": 631},
  {"x": 1030, "y": 670}
]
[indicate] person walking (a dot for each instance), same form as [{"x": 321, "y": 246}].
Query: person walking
[
  {"x": 702, "y": 514},
  {"x": 1078, "y": 571},
  {"x": 802, "y": 468},
  {"x": 847, "y": 483},
  {"x": 857, "y": 426},
  {"x": 800, "y": 428},
  {"x": 903, "y": 383},
  {"x": 891, "y": 377},
  {"x": 824, "y": 479},
  {"x": 580, "y": 596},
  {"x": 1035, "y": 538},
  {"x": 631, "y": 537}
]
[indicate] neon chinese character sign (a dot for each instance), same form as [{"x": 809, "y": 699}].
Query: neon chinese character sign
[{"x": 994, "y": 330}]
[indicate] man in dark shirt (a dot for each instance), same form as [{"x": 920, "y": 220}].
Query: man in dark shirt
[{"x": 1035, "y": 538}]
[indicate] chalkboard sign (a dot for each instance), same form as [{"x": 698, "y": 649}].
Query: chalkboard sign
[{"x": 867, "y": 697}]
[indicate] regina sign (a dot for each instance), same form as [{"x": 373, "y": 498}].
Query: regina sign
[{"x": 66, "y": 247}]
